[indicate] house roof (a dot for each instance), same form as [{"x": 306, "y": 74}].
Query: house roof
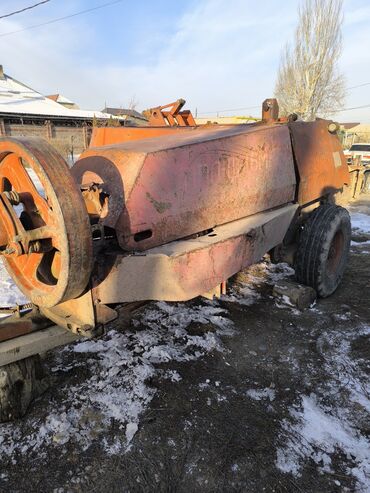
[
  {"x": 53, "y": 97},
  {"x": 347, "y": 126},
  {"x": 17, "y": 98},
  {"x": 59, "y": 98},
  {"x": 124, "y": 112}
]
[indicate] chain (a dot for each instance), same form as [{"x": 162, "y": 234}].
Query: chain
[{"x": 16, "y": 309}]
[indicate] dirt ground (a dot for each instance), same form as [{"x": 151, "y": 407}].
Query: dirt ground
[{"x": 245, "y": 394}]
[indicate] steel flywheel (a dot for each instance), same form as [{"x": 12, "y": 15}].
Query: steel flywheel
[{"x": 45, "y": 235}]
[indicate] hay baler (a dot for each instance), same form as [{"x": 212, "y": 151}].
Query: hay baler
[{"x": 168, "y": 213}]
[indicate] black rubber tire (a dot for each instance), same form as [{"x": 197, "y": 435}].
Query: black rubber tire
[{"x": 323, "y": 249}]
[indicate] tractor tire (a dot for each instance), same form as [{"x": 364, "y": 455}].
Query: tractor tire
[{"x": 323, "y": 249}]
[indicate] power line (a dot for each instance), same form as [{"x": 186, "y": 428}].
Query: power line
[
  {"x": 354, "y": 108},
  {"x": 61, "y": 18},
  {"x": 360, "y": 85},
  {"x": 254, "y": 107},
  {"x": 234, "y": 109},
  {"x": 23, "y": 10}
]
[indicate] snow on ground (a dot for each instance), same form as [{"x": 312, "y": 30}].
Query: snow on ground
[
  {"x": 259, "y": 394},
  {"x": 360, "y": 222},
  {"x": 332, "y": 419},
  {"x": 9, "y": 293},
  {"x": 246, "y": 292},
  {"x": 117, "y": 388},
  {"x": 119, "y": 366}
]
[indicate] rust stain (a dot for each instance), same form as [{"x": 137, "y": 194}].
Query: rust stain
[{"x": 160, "y": 207}]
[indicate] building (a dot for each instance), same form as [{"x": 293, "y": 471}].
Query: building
[
  {"x": 26, "y": 112},
  {"x": 225, "y": 120},
  {"x": 67, "y": 103},
  {"x": 131, "y": 117},
  {"x": 354, "y": 132}
]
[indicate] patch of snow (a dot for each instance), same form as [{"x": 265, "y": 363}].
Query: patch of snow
[
  {"x": 277, "y": 272},
  {"x": 244, "y": 295},
  {"x": 259, "y": 394},
  {"x": 319, "y": 428},
  {"x": 360, "y": 222},
  {"x": 316, "y": 434},
  {"x": 131, "y": 429},
  {"x": 119, "y": 366},
  {"x": 112, "y": 448},
  {"x": 9, "y": 293},
  {"x": 360, "y": 243},
  {"x": 172, "y": 375}
]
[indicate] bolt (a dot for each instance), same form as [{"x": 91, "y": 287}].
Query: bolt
[
  {"x": 333, "y": 127},
  {"x": 13, "y": 197},
  {"x": 35, "y": 247},
  {"x": 91, "y": 331},
  {"x": 8, "y": 251},
  {"x": 13, "y": 248}
]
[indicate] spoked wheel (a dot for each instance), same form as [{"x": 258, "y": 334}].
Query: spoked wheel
[{"x": 47, "y": 246}]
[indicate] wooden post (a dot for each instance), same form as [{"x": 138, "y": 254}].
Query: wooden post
[
  {"x": 2, "y": 127},
  {"x": 85, "y": 134},
  {"x": 49, "y": 129}
]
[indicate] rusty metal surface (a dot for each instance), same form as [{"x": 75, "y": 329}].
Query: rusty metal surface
[
  {"x": 77, "y": 315},
  {"x": 48, "y": 248},
  {"x": 270, "y": 110},
  {"x": 320, "y": 161},
  {"x": 185, "y": 269},
  {"x": 15, "y": 329},
  {"x": 21, "y": 322},
  {"x": 171, "y": 115},
  {"x": 169, "y": 188},
  {"x": 115, "y": 135}
]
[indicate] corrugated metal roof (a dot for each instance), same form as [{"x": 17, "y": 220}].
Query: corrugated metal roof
[
  {"x": 17, "y": 98},
  {"x": 124, "y": 112},
  {"x": 349, "y": 125}
]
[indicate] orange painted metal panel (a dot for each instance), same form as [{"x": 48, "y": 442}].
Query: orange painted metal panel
[
  {"x": 321, "y": 164},
  {"x": 102, "y": 136}
]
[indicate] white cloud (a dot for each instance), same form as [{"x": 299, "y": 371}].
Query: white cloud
[
  {"x": 220, "y": 55},
  {"x": 224, "y": 54}
]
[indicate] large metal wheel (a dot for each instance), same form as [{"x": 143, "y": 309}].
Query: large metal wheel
[{"x": 46, "y": 244}]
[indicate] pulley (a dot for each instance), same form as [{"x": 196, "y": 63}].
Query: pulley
[{"x": 45, "y": 236}]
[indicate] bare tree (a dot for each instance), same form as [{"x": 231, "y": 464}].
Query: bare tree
[
  {"x": 133, "y": 103},
  {"x": 309, "y": 82}
]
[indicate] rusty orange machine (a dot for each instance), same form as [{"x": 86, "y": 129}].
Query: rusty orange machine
[{"x": 169, "y": 213}]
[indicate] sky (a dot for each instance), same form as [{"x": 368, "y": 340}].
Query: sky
[{"x": 217, "y": 54}]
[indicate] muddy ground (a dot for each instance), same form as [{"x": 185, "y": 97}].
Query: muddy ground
[{"x": 245, "y": 395}]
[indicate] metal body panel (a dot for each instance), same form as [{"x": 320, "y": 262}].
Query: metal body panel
[
  {"x": 177, "y": 186},
  {"x": 321, "y": 164},
  {"x": 102, "y": 136},
  {"x": 184, "y": 269}
]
